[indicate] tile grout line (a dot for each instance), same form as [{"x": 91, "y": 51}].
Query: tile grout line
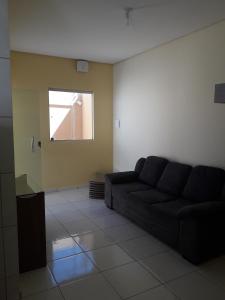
[
  {"x": 114, "y": 242},
  {"x": 103, "y": 247},
  {"x": 117, "y": 243},
  {"x": 38, "y": 293},
  {"x": 6, "y": 117},
  {"x": 100, "y": 272},
  {"x": 219, "y": 284},
  {"x": 61, "y": 293},
  {"x": 111, "y": 286},
  {"x": 162, "y": 283},
  {"x": 100, "y": 229},
  {"x": 5, "y": 58},
  {"x": 143, "y": 292}
]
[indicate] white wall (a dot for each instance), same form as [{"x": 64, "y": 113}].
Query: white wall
[
  {"x": 164, "y": 101},
  {"x": 8, "y": 219}
]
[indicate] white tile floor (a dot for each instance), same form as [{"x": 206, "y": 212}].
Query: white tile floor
[{"x": 96, "y": 254}]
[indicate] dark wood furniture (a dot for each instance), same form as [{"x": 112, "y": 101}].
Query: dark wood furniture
[{"x": 31, "y": 231}]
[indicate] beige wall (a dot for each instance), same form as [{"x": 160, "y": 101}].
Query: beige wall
[
  {"x": 164, "y": 100},
  {"x": 68, "y": 163},
  {"x": 26, "y": 124}
]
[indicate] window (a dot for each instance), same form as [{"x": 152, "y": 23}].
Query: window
[{"x": 70, "y": 115}]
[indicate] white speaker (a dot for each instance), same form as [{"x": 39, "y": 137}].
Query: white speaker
[{"x": 82, "y": 66}]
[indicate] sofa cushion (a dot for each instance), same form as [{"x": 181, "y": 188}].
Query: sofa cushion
[
  {"x": 129, "y": 187},
  {"x": 174, "y": 178},
  {"x": 135, "y": 205},
  {"x": 121, "y": 177},
  {"x": 152, "y": 170},
  {"x": 171, "y": 208},
  {"x": 204, "y": 184},
  {"x": 150, "y": 196},
  {"x": 139, "y": 165},
  {"x": 166, "y": 225},
  {"x": 120, "y": 192}
]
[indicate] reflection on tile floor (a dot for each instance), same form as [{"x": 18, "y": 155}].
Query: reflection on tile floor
[
  {"x": 62, "y": 248},
  {"x": 93, "y": 240},
  {"x": 109, "y": 257},
  {"x": 72, "y": 268},
  {"x": 94, "y": 253}
]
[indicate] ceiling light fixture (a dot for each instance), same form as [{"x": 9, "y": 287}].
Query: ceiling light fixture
[{"x": 129, "y": 10}]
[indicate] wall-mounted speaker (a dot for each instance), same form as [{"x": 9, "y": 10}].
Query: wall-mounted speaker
[{"x": 82, "y": 66}]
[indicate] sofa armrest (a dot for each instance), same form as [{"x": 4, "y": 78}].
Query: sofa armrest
[
  {"x": 209, "y": 208},
  {"x": 201, "y": 231},
  {"x": 116, "y": 178},
  {"x": 121, "y": 177}
]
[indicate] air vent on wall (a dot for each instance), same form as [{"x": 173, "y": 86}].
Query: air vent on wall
[{"x": 82, "y": 66}]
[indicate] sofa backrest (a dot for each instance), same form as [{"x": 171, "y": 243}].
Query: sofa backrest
[
  {"x": 174, "y": 178},
  {"x": 139, "y": 165},
  {"x": 204, "y": 184},
  {"x": 152, "y": 170}
]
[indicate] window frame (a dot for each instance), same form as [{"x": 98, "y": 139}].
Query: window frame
[{"x": 93, "y": 114}]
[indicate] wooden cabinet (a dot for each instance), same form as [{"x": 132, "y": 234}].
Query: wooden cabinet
[{"x": 31, "y": 231}]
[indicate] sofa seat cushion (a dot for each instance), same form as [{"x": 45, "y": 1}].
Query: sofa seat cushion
[
  {"x": 174, "y": 178},
  {"x": 204, "y": 184},
  {"x": 120, "y": 192},
  {"x": 137, "y": 204},
  {"x": 150, "y": 196},
  {"x": 166, "y": 224},
  {"x": 170, "y": 208},
  {"x": 152, "y": 170},
  {"x": 129, "y": 187}
]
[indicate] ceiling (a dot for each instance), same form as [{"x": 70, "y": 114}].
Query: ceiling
[{"x": 96, "y": 30}]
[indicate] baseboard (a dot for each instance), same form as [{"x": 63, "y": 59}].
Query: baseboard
[{"x": 55, "y": 190}]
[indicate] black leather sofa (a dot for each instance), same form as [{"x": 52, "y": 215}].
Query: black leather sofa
[{"x": 182, "y": 206}]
